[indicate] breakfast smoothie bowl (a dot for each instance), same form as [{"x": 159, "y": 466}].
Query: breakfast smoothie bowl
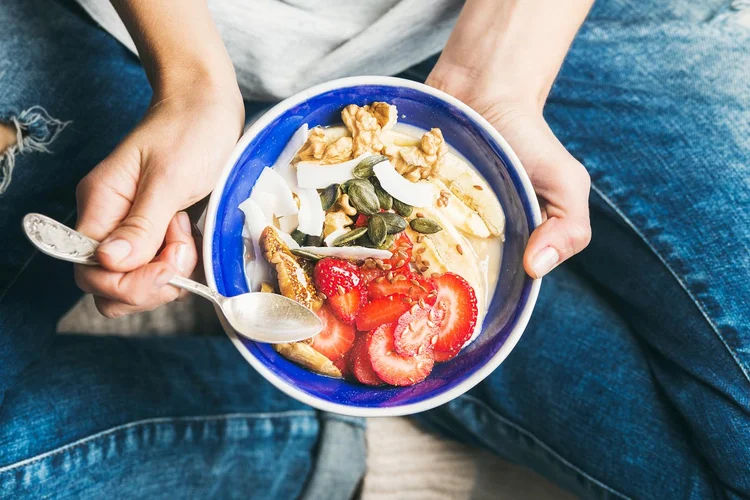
[{"x": 400, "y": 217}]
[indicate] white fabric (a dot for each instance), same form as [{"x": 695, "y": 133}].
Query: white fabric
[{"x": 282, "y": 46}]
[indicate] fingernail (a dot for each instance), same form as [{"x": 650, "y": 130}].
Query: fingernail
[
  {"x": 181, "y": 258},
  {"x": 545, "y": 261},
  {"x": 117, "y": 250},
  {"x": 163, "y": 278},
  {"x": 184, "y": 221}
]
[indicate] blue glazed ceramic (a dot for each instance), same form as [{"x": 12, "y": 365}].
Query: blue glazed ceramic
[{"x": 465, "y": 131}]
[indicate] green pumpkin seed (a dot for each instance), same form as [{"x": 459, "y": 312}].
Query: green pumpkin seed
[
  {"x": 306, "y": 255},
  {"x": 425, "y": 226},
  {"x": 386, "y": 200},
  {"x": 402, "y": 208},
  {"x": 328, "y": 196},
  {"x": 388, "y": 243},
  {"x": 376, "y": 230},
  {"x": 299, "y": 237},
  {"x": 313, "y": 241},
  {"x": 364, "y": 241},
  {"x": 363, "y": 170},
  {"x": 394, "y": 223},
  {"x": 347, "y": 238},
  {"x": 363, "y": 198}
]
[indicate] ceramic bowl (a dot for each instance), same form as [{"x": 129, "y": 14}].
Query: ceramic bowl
[{"x": 465, "y": 131}]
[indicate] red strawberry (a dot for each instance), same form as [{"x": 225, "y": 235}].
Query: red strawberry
[
  {"x": 331, "y": 276},
  {"x": 414, "y": 331},
  {"x": 344, "y": 365},
  {"x": 346, "y": 306},
  {"x": 391, "y": 367},
  {"x": 359, "y": 362},
  {"x": 406, "y": 283},
  {"x": 441, "y": 356},
  {"x": 456, "y": 313},
  {"x": 383, "y": 310},
  {"x": 335, "y": 339},
  {"x": 401, "y": 250},
  {"x": 361, "y": 221},
  {"x": 370, "y": 273}
]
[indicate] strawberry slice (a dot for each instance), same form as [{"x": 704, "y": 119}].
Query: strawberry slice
[
  {"x": 401, "y": 250},
  {"x": 359, "y": 362},
  {"x": 380, "y": 311},
  {"x": 413, "y": 285},
  {"x": 370, "y": 273},
  {"x": 390, "y": 366},
  {"x": 441, "y": 356},
  {"x": 336, "y": 276},
  {"x": 455, "y": 312},
  {"x": 361, "y": 221},
  {"x": 414, "y": 331},
  {"x": 346, "y": 306},
  {"x": 335, "y": 339},
  {"x": 344, "y": 365}
]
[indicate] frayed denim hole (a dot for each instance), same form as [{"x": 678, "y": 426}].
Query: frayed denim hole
[{"x": 35, "y": 131}]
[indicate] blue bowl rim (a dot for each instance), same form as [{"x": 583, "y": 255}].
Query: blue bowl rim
[{"x": 490, "y": 365}]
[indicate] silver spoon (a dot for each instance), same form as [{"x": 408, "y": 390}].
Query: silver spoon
[{"x": 264, "y": 317}]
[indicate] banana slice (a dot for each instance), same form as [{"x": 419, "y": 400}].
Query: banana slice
[
  {"x": 425, "y": 254},
  {"x": 457, "y": 212},
  {"x": 474, "y": 191}
]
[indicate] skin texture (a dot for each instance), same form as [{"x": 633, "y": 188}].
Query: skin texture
[{"x": 501, "y": 59}]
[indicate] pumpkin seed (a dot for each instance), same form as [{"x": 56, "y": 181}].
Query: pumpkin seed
[
  {"x": 402, "y": 208},
  {"x": 425, "y": 225},
  {"x": 313, "y": 241},
  {"x": 363, "y": 170},
  {"x": 388, "y": 243},
  {"x": 299, "y": 237},
  {"x": 386, "y": 200},
  {"x": 394, "y": 223},
  {"x": 328, "y": 196},
  {"x": 364, "y": 241},
  {"x": 363, "y": 198},
  {"x": 376, "y": 229},
  {"x": 347, "y": 238},
  {"x": 306, "y": 255}
]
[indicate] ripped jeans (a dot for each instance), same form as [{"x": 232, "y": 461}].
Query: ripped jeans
[{"x": 632, "y": 379}]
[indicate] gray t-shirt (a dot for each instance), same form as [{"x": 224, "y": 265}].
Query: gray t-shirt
[{"x": 282, "y": 46}]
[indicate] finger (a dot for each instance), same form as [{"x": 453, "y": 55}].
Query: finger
[
  {"x": 137, "y": 239},
  {"x": 565, "y": 229},
  {"x": 180, "y": 249},
  {"x": 144, "y": 288},
  {"x": 115, "y": 309}
]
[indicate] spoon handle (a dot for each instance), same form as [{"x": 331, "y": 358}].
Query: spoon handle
[{"x": 61, "y": 242}]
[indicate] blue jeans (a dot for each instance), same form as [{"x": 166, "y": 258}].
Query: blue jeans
[{"x": 632, "y": 379}]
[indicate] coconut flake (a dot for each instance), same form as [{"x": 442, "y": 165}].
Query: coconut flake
[
  {"x": 416, "y": 194},
  {"x": 335, "y": 234},
  {"x": 354, "y": 252},
  {"x": 281, "y": 199},
  {"x": 313, "y": 175},
  {"x": 311, "y": 213},
  {"x": 283, "y": 164},
  {"x": 257, "y": 270}
]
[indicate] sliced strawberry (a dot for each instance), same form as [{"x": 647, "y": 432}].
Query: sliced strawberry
[
  {"x": 413, "y": 285},
  {"x": 359, "y": 362},
  {"x": 332, "y": 276},
  {"x": 344, "y": 365},
  {"x": 414, "y": 331},
  {"x": 401, "y": 250},
  {"x": 370, "y": 273},
  {"x": 335, "y": 339},
  {"x": 456, "y": 313},
  {"x": 380, "y": 311},
  {"x": 361, "y": 221},
  {"x": 441, "y": 356},
  {"x": 346, "y": 306},
  {"x": 390, "y": 366}
]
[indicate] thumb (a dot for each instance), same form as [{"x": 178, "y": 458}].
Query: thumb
[
  {"x": 555, "y": 241},
  {"x": 137, "y": 239}
]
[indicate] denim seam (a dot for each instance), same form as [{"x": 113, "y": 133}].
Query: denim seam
[
  {"x": 159, "y": 420},
  {"x": 684, "y": 286},
  {"x": 26, "y": 264},
  {"x": 546, "y": 447}
]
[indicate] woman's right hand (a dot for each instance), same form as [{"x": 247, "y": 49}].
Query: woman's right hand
[{"x": 132, "y": 200}]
